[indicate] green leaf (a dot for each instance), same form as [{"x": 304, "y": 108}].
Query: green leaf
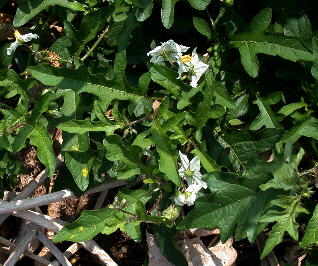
[
  {"x": 285, "y": 221},
  {"x": 126, "y": 158},
  {"x": 311, "y": 232},
  {"x": 124, "y": 36},
  {"x": 285, "y": 173},
  {"x": 199, "y": 4},
  {"x": 82, "y": 81},
  {"x": 202, "y": 27},
  {"x": 90, "y": 224},
  {"x": 167, "y": 12},
  {"x": 79, "y": 164},
  {"x": 298, "y": 27},
  {"x": 167, "y": 153},
  {"x": 256, "y": 41},
  {"x": 91, "y": 24},
  {"x": 208, "y": 163},
  {"x": 28, "y": 9},
  {"x": 228, "y": 205},
  {"x": 83, "y": 126},
  {"x": 75, "y": 142},
  {"x": 266, "y": 117},
  {"x": 288, "y": 109},
  {"x": 167, "y": 79},
  {"x": 314, "y": 68},
  {"x": 39, "y": 137}
]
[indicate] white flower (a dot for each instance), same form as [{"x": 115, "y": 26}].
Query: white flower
[
  {"x": 190, "y": 170},
  {"x": 19, "y": 40},
  {"x": 193, "y": 66},
  {"x": 169, "y": 51},
  {"x": 188, "y": 197}
]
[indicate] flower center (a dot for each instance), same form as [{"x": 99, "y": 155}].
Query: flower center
[
  {"x": 188, "y": 173},
  {"x": 186, "y": 58}
]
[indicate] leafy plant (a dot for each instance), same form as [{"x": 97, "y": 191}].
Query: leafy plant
[{"x": 136, "y": 85}]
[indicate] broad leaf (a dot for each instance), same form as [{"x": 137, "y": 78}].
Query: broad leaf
[
  {"x": 28, "y": 9},
  {"x": 167, "y": 12},
  {"x": 39, "y": 137},
  {"x": 167, "y": 154},
  {"x": 227, "y": 206},
  {"x": 199, "y": 4},
  {"x": 79, "y": 164},
  {"x": 81, "y": 81},
  {"x": 202, "y": 26},
  {"x": 257, "y": 41}
]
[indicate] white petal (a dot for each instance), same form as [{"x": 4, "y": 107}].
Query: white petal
[
  {"x": 191, "y": 199},
  {"x": 180, "y": 199},
  {"x": 181, "y": 171},
  {"x": 184, "y": 160},
  {"x": 194, "y": 188},
  {"x": 13, "y": 47},
  {"x": 28, "y": 37},
  {"x": 195, "y": 164}
]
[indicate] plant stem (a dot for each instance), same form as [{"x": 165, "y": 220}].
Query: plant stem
[{"x": 95, "y": 44}]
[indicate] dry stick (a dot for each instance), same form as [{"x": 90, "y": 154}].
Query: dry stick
[
  {"x": 56, "y": 225},
  {"x": 54, "y": 249},
  {"x": 67, "y": 253},
  {"x": 10, "y": 244},
  {"x": 31, "y": 187},
  {"x": 17, "y": 205},
  {"x": 20, "y": 248}
]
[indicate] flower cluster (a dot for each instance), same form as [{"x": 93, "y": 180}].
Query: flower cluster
[
  {"x": 190, "y": 171},
  {"x": 19, "y": 40},
  {"x": 172, "y": 52}
]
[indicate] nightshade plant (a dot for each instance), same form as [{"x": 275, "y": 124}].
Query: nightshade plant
[{"x": 131, "y": 83}]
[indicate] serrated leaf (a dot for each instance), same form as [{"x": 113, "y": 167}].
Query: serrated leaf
[
  {"x": 266, "y": 117},
  {"x": 311, "y": 232},
  {"x": 83, "y": 126},
  {"x": 285, "y": 221},
  {"x": 199, "y": 4},
  {"x": 82, "y": 81},
  {"x": 167, "y": 12},
  {"x": 256, "y": 41},
  {"x": 226, "y": 207},
  {"x": 167, "y": 154},
  {"x": 202, "y": 27},
  {"x": 79, "y": 164},
  {"x": 30, "y": 8},
  {"x": 39, "y": 137}
]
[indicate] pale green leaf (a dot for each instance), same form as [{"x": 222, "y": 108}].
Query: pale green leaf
[{"x": 167, "y": 12}]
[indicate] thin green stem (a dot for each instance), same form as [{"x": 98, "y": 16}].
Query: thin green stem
[{"x": 95, "y": 44}]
